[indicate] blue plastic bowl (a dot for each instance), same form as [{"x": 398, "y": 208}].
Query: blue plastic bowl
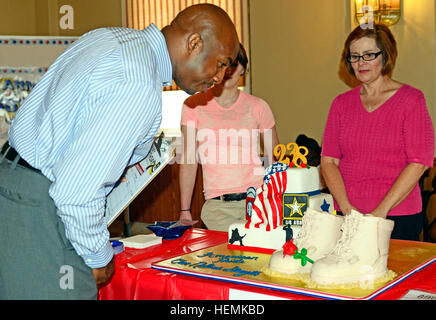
[{"x": 162, "y": 229}]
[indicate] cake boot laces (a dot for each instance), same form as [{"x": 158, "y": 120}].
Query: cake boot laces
[
  {"x": 349, "y": 229},
  {"x": 305, "y": 232}
]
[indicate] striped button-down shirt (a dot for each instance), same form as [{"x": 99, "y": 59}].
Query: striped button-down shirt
[{"x": 95, "y": 111}]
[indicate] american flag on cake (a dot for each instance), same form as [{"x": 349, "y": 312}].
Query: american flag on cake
[{"x": 266, "y": 212}]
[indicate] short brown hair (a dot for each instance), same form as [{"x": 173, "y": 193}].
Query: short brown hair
[
  {"x": 242, "y": 57},
  {"x": 385, "y": 42}
]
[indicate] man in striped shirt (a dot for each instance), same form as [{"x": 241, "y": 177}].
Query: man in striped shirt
[{"x": 95, "y": 112}]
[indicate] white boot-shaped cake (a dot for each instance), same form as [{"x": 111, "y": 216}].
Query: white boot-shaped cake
[
  {"x": 361, "y": 254},
  {"x": 318, "y": 236}
]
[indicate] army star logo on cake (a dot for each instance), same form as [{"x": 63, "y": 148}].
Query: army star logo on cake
[{"x": 294, "y": 206}]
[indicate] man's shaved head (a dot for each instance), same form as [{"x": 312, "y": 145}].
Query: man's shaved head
[
  {"x": 204, "y": 17},
  {"x": 202, "y": 42}
]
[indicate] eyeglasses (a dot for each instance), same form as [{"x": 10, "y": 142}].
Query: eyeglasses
[{"x": 366, "y": 57}]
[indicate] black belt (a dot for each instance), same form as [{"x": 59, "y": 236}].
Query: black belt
[
  {"x": 12, "y": 154},
  {"x": 231, "y": 197}
]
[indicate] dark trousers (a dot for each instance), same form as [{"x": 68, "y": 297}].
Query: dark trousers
[
  {"x": 37, "y": 261},
  {"x": 406, "y": 227}
]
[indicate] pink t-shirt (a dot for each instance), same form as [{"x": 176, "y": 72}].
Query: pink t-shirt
[
  {"x": 373, "y": 148},
  {"x": 228, "y": 140}
]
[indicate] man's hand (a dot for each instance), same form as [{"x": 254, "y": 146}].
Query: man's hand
[{"x": 104, "y": 274}]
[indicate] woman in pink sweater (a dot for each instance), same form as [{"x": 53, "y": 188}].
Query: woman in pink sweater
[{"x": 379, "y": 137}]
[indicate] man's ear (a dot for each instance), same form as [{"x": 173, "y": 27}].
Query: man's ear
[{"x": 195, "y": 43}]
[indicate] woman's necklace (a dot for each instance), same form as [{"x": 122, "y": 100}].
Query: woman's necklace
[
  {"x": 373, "y": 104},
  {"x": 380, "y": 98}
]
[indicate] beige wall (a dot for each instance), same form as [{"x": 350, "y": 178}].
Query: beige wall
[
  {"x": 416, "y": 37},
  {"x": 41, "y": 17},
  {"x": 295, "y": 52},
  {"x": 18, "y": 17}
]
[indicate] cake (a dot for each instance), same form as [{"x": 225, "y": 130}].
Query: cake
[
  {"x": 276, "y": 209},
  {"x": 336, "y": 252},
  {"x": 360, "y": 257},
  {"x": 317, "y": 238},
  {"x": 291, "y": 219}
]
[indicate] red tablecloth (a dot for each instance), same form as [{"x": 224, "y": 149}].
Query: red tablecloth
[{"x": 135, "y": 280}]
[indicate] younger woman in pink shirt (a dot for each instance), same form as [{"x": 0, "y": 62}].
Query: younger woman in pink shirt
[
  {"x": 379, "y": 137},
  {"x": 222, "y": 129}
]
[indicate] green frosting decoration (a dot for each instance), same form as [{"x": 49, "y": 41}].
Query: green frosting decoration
[{"x": 302, "y": 255}]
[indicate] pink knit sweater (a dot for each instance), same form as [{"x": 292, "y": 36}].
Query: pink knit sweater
[{"x": 373, "y": 148}]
